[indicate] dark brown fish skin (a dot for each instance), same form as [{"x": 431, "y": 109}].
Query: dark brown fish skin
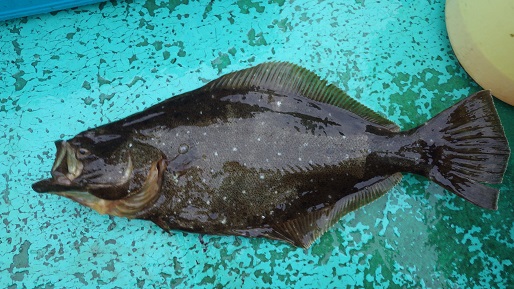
[
  {"x": 247, "y": 161},
  {"x": 203, "y": 192}
]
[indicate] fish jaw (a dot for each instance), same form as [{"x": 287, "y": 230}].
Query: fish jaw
[
  {"x": 65, "y": 169},
  {"x": 61, "y": 187},
  {"x": 87, "y": 199},
  {"x": 129, "y": 207}
]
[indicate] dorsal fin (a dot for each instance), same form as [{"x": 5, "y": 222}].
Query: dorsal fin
[
  {"x": 303, "y": 231},
  {"x": 291, "y": 79}
]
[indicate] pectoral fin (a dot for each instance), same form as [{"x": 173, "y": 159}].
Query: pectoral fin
[{"x": 303, "y": 231}]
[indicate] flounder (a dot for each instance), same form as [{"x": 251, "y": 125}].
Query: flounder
[{"x": 272, "y": 151}]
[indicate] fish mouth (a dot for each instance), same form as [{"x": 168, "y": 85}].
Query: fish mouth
[{"x": 66, "y": 168}]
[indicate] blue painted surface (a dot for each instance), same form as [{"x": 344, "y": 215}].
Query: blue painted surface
[
  {"x": 64, "y": 72},
  {"x": 10, "y": 9}
]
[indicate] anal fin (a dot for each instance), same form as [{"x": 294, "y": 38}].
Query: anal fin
[{"x": 304, "y": 230}]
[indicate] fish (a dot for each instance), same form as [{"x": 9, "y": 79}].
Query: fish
[{"x": 272, "y": 151}]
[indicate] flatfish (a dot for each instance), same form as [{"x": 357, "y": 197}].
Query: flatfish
[{"x": 272, "y": 151}]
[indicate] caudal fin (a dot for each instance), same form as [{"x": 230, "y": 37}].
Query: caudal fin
[{"x": 471, "y": 149}]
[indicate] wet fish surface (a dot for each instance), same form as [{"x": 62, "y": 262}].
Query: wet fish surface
[{"x": 272, "y": 151}]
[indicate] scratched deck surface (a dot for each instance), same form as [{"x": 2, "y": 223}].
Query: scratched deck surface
[{"x": 63, "y": 72}]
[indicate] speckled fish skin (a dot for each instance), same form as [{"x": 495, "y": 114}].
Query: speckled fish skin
[{"x": 271, "y": 151}]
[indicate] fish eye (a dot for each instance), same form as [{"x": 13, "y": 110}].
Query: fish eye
[{"x": 82, "y": 152}]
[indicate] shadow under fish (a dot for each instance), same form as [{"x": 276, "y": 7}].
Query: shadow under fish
[{"x": 272, "y": 151}]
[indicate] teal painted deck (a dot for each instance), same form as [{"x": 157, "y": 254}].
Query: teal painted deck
[{"x": 63, "y": 72}]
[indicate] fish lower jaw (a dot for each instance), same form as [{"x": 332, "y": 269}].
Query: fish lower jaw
[
  {"x": 86, "y": 199},
  {"x": 103, "y": 207}
]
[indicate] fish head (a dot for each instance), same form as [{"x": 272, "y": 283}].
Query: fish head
[{"x": 104, "y": 171}]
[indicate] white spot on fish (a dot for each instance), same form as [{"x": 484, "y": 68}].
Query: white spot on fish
[
  {"x": 216, "y": 153},
  {"x": 300, "y": 159},
  {"x": 258, "y": 139},
  {"x": 279, "y": 153},
  {"x": 261, "y": 176},
  {"x": 183, "y": 148},
  {"x": 279, "y": 103},
  {"x": 234, "y": 149}
]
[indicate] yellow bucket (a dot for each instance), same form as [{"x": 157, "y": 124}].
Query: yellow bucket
[{"x": 482, "y": 35}]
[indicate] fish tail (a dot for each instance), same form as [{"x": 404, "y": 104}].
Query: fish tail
[{"x": 468, "y": 147}]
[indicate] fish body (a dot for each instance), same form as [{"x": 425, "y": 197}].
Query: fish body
[{"x": 271, "y": 151}]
